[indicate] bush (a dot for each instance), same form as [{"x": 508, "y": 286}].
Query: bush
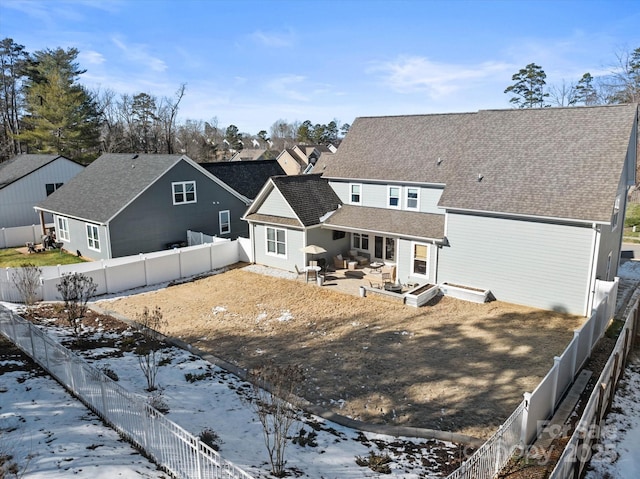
[
  {"x": 76, "y": 290},
  {"x": 375, "y": 462},
  {"x": 27, "y": 281},
  {"x": 209, "y": 437},
  {"x": 110, "y": 373}
]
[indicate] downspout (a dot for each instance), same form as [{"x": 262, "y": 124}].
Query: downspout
[
  {"x": 593, "y": 266},
  {"x": 106, "y": 228}
]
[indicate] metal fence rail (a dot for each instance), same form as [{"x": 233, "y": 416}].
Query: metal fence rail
[{"x": 173, "y": 448}]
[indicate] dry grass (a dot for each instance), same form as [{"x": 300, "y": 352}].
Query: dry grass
[{"x": 451, "y": 365}]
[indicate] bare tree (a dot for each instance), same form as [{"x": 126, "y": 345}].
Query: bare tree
[
  {"x": 277, "y": 405},
  {"x": 76, "y": 290},
  {"x": 149, "y": 325},
  {"x": 27, "y": 281},
  {"x": 167, "y": 117}
]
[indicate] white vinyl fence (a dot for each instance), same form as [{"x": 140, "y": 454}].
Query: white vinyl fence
[
  {"x": 522, "y": 427},
  {"x": 582, "y": 446},
  {"x": 120, "y": 274},
  {"x": 173, "y": 448},
  {"x": 19, "y": 235}
]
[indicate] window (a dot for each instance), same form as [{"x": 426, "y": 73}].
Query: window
[
  {"x": 412, "y": 198},
  {"x": 276, "y": 241},
  {"x": 420, "y": 259},
  {"x": 394, "y": 197},
  {"x": 225, "y": 222},
  {"x": 184, "y": 192},
  {"x": 63, "y": 229},
  {"x": 360, "y": 241},
  {"x": 384, "y": 248},
  {"x": 616, "y": 214},
  {"x": 356, "y": 194},
  {"x": 51, "y": 187},
  {"x": 93, "y": 240}
]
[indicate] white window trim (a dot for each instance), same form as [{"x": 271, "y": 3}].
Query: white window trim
[
  {"x": 63, "y": 229},
  {"x": 266, "y": 242},
  {"x": 184, "y": 192},
  {"x": 615, "y": 217},
  {"x": 406, "y": 198},
  {"x": 228, "y": 230},
  {"x": 90, "y": 238},
  {"x": 413, "y": 258},
  {"x": 351, "y": 202},
  {"x": 399, "y": 188}
]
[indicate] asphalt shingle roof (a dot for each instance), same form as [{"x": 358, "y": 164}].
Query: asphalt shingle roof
[
  {"x": 21, "y": 165},
  {"x": 310, "y": 196},
  {"x": 550, "y": 162},
  {"x": 384, "y": 220},
  {"x": 245, "y": 177},
  {"x": 107, "y": 185}
]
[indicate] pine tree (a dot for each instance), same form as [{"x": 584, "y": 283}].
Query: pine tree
[{"x": 529, "y": 89}]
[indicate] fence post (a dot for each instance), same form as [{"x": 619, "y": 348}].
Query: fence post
[
  {"x": 554, "y": 388},
  {"x": 4, "y": 238},
  {"x": 106, "y": 277},
  {"x": 525, "y": 420},
  {"x": 574, "y": 356},
  {"x": 179, "y": 262}
]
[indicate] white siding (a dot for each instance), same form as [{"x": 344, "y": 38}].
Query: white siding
[
  {"x": 375, "y": 195},
  {"x": 295, "y": 241},
  {"x": 17, "y": 199},
  {"x": 275, "y": 205},
  {"x": 404, "y": 252},
  {"x": 536, "y": 264}
]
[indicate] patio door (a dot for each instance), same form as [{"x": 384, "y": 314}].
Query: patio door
[{"x": 384, "y": 248}]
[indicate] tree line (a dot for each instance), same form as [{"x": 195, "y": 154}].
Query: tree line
[{"x": 46, "y": 109}]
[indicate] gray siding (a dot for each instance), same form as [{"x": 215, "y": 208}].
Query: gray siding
[
  {"x": 275, "y": 205},
  {"x": 17, "y": 199},
  {"x": 152, "y": 221},
  {"x": 404, "y": 267},
  {"x": 537, "y": 264},
  {"x": 294, "y": 242},
  {"x": 375, "y": 195},
  {"x": 78, "y": 240}
]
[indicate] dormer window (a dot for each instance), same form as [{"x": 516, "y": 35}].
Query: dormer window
[{"x": 412, "y": 198}]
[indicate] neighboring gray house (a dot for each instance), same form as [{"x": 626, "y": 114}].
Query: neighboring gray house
[
  {"x": 526, "y": 203},
  {"x": 125, "y": 204},
  {"x": 245, "y": 177},
  {"x": 28, "y": 179}
]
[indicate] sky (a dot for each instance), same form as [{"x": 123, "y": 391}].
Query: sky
[{"x": 251, "y": 63}]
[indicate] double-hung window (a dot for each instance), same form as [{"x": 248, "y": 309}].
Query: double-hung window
[
  {"x": 63, "y": 229},
  {"x": 276, "y": 241},
  {"x": 412, "y": 198},
  {"x": 184, "y": 192},
  {"x": 224, "y": 218},
  {"x": 420, "y": 259},
  {"x": 394, "y": 197},
  {"x": 360, "y": 241},
  {"x": 355, "y": 192},
  {"x": 93, "y": 238}
]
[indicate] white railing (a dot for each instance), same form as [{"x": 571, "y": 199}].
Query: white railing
[
  {"x": 170, "y": 446},
  {"x": 195, "y": 238},
  {"x": 522, "y": 427},
  {"x": 121, "y": 274}
]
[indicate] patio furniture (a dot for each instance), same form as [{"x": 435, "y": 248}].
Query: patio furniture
[
  {"x": 356, "y": 256},
  {"x": 387, "y": 279},
  {"x": 393, "y": 287},
  {"x": 339, "y": 262},
  {"x": 376, "y": 266},
  {"x": 31, "y": 248},
  {"x": 300, "y": 273},
  {"x": 312, "y": 271},
  {"x": 352, "y": 265},
  {"x": 375, "y": 285}
]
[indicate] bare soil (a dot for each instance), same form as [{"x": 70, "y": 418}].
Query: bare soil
[{"x": 451, "y": 365}]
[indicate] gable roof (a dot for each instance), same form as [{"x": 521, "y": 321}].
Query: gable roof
[
  {"x": 245, "y": 177},
  {"x": 22, "y": 165},
  {"x": 550, "y": 162},
  {"x": 111, "y": 182},
  {"x": 309, "y": 196}
]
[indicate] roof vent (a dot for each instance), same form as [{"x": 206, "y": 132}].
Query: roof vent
[
  {"x": 439, "y": 161},
  {"x": 480, "y": 177}
]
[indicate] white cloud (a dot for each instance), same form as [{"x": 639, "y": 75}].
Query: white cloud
[
  {"x": 415, "y": 74},
  {"x": 283, "y": 86},
  {"x": 91, "y": 57},
  {"x": 271, "y": 39},
  {"x": 138, "y": 53}
]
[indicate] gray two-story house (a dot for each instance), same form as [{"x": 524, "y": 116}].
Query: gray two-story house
[
  {"x": 528, "y": 204},
  {"x": 125, "y": 204}
]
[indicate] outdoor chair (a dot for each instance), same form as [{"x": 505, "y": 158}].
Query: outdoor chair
[
  {"x": 386, "y": 278},
  {"x": 358, "y": 258},
  {"x": 300, "y": 273},
  {"x": 375, "y": 285},
  {"x": 340, "y": 263},
  {"x": 31, "y": 248}
]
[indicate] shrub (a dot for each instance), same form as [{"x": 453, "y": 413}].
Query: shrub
[
  {"x": 209, "y": 437},
  {"x": 110, "y": 373},
  {"x": 27, "y": 281},
  {"x": 149, "y": 324},
  {"x": 76, "y": 290},
  {"x": 375, "y": 462}
]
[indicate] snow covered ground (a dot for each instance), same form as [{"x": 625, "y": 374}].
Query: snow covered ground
[{"x": 49, "y": 434}]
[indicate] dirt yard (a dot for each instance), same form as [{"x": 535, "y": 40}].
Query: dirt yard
[{"x": 451, "y": 365}]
